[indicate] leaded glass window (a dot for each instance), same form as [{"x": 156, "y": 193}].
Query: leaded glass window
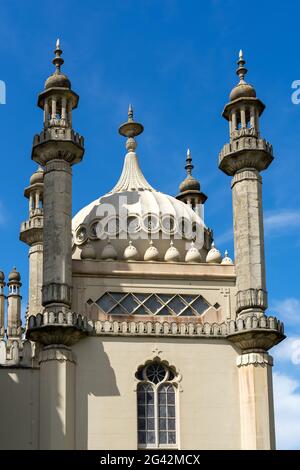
[{"x": 156, "y": 406}]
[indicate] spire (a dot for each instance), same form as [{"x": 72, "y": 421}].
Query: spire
[
  {"x": 241, "y": 70},
  {"x": 58, "y": 60},
  {"x": 132, "y": 178},
  {"x": 189, "y": 166}
]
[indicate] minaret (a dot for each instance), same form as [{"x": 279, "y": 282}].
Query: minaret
[
  {"x": 2, "y": 305},
  {"x": 244, "y": 158},
  {"x": 57, "y": 148},
  {"x": 14, "y": 329},
  {"x": 31, "y": 233},
  {"x": 190, "y": 187}
]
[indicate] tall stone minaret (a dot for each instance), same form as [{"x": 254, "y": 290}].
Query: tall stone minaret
[
  {"x": 14, "y": 322},
  {"x": 57, "y": 148},
  {"x": 31, "y": 233},
  {"x": 246, "y": 155},
  {"x": 2, "y": 305}
]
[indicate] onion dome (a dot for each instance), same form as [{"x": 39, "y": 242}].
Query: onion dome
[
  {"x": 2, "y": 276},
  {"x": 57, "y": 79},
  {"x": 214, "y": 255},
  {"x": 151, "y": 254},
  {"x": 172, "y": 254},
  {"x": 135, "y": 210},
  {"x": 37, "y": 177},
  {"x": 242, "y": 89},
  {"x": 14, "y": 276},
  {"x": 193, "y": 254},
  {"x": 226, "y": 259},
  {"x": 109, "y": 253},
  {"x": 88, "y": 251},
  {"x": 190, "y": 183},
  {"x": 130, "y": 252}
]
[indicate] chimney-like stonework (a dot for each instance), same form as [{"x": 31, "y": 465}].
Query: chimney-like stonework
[{"x": 246, "y": 155}]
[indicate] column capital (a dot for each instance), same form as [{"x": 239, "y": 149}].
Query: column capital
[{"x": 255, "y": 358}]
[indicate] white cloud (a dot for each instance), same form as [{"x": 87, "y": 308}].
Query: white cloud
[
  {"x": 275, "y": 221},
  {"x": 288, "y": 310},
  {"x": 288, "y": 350},
  {"x": 225, "y": 237},
  {"x": 287, "y": 411}
]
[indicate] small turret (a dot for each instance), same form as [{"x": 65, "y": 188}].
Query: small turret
[
  {"x": 2, "y": 305},
  {"x": 14, "y": 329},
  {"x": 190, "y": 187}
]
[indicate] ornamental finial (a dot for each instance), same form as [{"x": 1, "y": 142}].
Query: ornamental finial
[
  {"x": 58, "y": 60},
  {"x": 189, "y": 166},
  {"x": 131, "y": 128},
  {"x": 241, "y": 70}
]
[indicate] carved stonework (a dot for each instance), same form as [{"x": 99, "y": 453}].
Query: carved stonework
[
  {"x": 251, "y": 298},
  {"x": 56, "y": 292},
  {"x": 256, "y": 358},
  {"x": 57, "y": 352}
]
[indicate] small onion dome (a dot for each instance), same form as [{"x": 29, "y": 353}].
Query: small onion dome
[
  {"x": 2, "y": 276},
  {"x": 151, "y": 254},
  {"x": 109, "y": 253},
  {"x": 190, "y": 183},
  {"x": 130, "y": 252},
  {"x": 192, "y": 255},
  {"x": 243, "y": 89},
  {"x": 38, "y": 176},
  {"x": 213, "y": 256},
  {"x": 14, "y": 276},
  {"x": 226, "y": 259},
  {"x": 57, "y": 79},
  {"x": 172, "y": 254},
  {"x": 88, "y": 251}
]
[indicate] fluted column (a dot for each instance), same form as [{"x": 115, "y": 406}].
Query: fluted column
[
  {"x": 57, "y": 270},
  {"x": 249, "y": 241},
  {"x": 57, "y": 398},
  {"x": 2, "y": 305},
  {"x": 256, "y": 401}
]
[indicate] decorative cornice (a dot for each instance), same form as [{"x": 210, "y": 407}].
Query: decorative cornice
[
  {"x": 256, "y": 358},
  {"x": 251, "y": 298},
  {"x": 56, "y": 292},
  {"x": 66, "y": 328},
  {"x": 247, "y": 174}
]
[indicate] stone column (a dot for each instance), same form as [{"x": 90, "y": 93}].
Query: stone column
[
  {"x": 249, "y": 241},
  {"x": 256, "y": 401},
  {"x": 2, "y": 308},
  {"x": 57, "y": 398},
  {"x": 57, "y": 271},
  {"x": 35, "y": 278}
]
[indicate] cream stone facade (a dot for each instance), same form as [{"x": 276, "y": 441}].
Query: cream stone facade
[{"x": 139, "y": 333}]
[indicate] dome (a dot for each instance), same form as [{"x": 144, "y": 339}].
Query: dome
[
  {"x": 37, "y": 177},
  {"x": 193, "y": 254},
  {"x": 152, "y": 253},
  {"x": 88, "y": 251},
  {"x": 214, "y": 256},
  {"x": 227, "y": 260},
  {"x": 172, "y": 254},
  {"x": 14, "y": 276},
  {"x": 189, "y": 184},
  {"x": 242, "y": 90},
  {"x": 57, "y": 80},
  {"x": 134, "y": 210}
]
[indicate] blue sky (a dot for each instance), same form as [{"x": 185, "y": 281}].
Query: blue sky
[{"x": 175, "y": 61}]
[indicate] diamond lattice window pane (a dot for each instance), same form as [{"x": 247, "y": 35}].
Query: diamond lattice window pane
[
  {"x": 152, "y": 304},
  {"x": 129, "y": 303},
  {"x": 106, "y": 302},
  {"x": 117, "y": 311},
  {"x": 117, "y": 295},
  {"x": 141, "y": 311},
  {"x": 176, "y": 305},
  {"x": 141, "y": 297},
  {"x": 187, "y": 312},
  {"x": 165, "y": 297},
  {"x": 200, "y": 305},
  {"x": 164, "y": 311},
  {"x": 188, "y": 298}
]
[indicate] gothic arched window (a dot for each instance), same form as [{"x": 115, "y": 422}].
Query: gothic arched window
[{"x": 156, "y": 405}]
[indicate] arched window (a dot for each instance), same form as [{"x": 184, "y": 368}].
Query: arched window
[{"x": 156, "y": 405}]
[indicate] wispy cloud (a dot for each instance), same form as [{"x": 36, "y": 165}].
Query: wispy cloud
[
  {"x": 287, "y": 411},
  {"x": 288, "y": 350},
  {"x": 225, "y": 237},
  {"x": 288, "y": 309},
  {"x": 276, "y": 221}
]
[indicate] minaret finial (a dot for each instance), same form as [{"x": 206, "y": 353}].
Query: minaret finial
[
  {"x": 189, "y": 166},
  {"x": 130, "y": 113},
  {"x": 58, "y": 60},
  {"x": 131, "y": 128},
  {"x": 241, "y": 70}
]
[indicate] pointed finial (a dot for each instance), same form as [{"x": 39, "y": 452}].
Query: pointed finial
[
  {"x": 189, "y": 166},
  {"x": 130, "y": 128},
  {"x": 130, "y": 113},
  {"x": 241, "y": 70},
  {"x": 58, "y": 60}
]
